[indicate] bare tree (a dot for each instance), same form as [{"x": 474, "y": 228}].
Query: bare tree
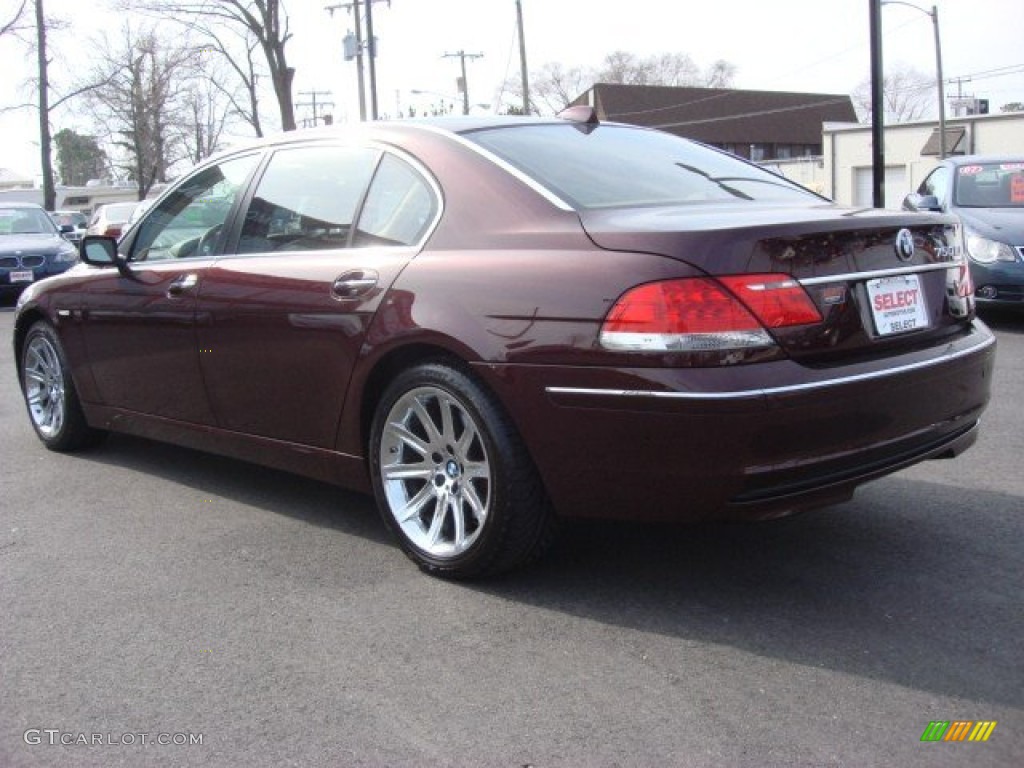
[
  {"x": 44, "y": 104},
  {"x": 624, "y": 68},
  {"x": 908, "y": 95},
  {"x": 551, "y": 88},
  {"x": 670, "y": 69},
  {"x": 16, "y": 22},
  {"x": 239, "y": 54},
  {"x": 142, "y": 96},
  {"x": 721, "y": 74},
  {"x": 266, "y": 21},
  {"x": 556, "y": 86},
  {"x": 204, "y": 117},
  {"x": 45, "y": 139}
]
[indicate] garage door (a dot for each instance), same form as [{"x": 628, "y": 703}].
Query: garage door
[{"x": 895, "y": 187}]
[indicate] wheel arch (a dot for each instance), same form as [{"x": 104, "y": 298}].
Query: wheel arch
[
  {"x": 22, "y": 323},
  {"x": 385, "y": 369}
]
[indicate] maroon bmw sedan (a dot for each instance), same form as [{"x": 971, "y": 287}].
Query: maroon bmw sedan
[{"x": 493, "y": 323}]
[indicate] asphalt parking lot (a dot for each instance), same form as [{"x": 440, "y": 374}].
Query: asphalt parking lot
[{"x": 250, "y": 618}]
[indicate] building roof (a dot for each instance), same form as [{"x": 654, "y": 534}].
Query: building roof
[
  {"x": 722, "y": 115},
  {"x": 9, "y": 178}
]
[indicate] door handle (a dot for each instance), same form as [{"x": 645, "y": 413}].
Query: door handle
[
  {"x": 182, "y": 284},
  {"x": 353, "y": 285}
]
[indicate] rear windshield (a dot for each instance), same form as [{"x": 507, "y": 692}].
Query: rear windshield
[
  {"x": 990, "y": 185},
  {"x": 611, "y": 166}
]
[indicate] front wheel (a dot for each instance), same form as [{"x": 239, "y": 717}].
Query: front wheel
[
  {"x": 452, "y": 479},
  {"x": 50, "y": 395}
]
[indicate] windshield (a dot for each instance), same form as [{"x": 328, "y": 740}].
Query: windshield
[
  {"x": 990, "y": 185},
  {"x": 614, "y": 165},
  {"x": 25, "y": 221}
]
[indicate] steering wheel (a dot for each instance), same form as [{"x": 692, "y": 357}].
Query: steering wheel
[{"x": 208, "y": 241}]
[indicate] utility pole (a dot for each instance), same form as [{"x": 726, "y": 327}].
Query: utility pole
[
  {"x": 355, "y": 7},
  {"x": 372, "y": 46},
  {"x": 462, "y": 56},
  {"x": 315, "y": 104},
  {"x": 877, "y": 107},
  {"x": 522, "y": 59}
]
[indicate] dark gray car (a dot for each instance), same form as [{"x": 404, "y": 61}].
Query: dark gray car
[{"x": 987, "y": 193}]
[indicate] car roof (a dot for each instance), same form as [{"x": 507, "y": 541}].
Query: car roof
[
  {"x": 381, "y": 129},
  {"x": 981, "y": 159}
]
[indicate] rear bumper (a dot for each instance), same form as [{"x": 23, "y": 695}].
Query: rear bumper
[{"x": 747, "y": 442}]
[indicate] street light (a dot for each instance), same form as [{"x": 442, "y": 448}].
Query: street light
[{"x": 934, "y": 13}]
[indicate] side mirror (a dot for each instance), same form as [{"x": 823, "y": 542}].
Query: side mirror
[
  {"x": 66, "y": 229},
  {"x": 916, "y": 202},
  {"x": 101, "y": 251}
]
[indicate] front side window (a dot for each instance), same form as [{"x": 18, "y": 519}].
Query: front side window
[
  {"x": 189, "y": 222},
  {"x": 613, "y": 165},
  {"x": 307, "y": 199}
]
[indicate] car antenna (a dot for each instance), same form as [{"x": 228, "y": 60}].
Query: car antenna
[{"x": 581, "y": 113}]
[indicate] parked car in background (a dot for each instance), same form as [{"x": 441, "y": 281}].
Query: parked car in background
[
  {"x": 110, "y": 219},
  {"x": 72, "y": 224},
  {"x": 492, "y": 322},
  {"x": 987, "y": 193},
  {"x": 140, "y": 208},
  {"x": 31, "y": 247}
]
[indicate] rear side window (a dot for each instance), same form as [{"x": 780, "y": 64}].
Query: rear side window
[
  {"x": 399, "y": 208},
  {"x": 307, "y": 199},
  {"x": 612, "y": 165}
]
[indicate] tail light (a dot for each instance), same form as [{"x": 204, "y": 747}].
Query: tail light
[{"x": 703, "y": 315}]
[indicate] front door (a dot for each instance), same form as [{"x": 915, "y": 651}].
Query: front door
[{"x": 139, "y": 327}]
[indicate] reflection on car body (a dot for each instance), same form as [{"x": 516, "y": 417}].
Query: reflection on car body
[{"x": 493, "y": 323}]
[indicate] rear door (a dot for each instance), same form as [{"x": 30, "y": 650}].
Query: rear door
[{"x": 325, "y": 233}]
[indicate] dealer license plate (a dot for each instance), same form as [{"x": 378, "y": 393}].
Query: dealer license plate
[
  {"x": 21, "y": 277},
  {"x": 897, "y": 304}
]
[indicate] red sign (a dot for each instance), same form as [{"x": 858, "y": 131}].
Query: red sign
[{"x": 1017, "y": 188}]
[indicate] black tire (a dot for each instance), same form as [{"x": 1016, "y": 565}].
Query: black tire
[
  {"x": 452, "y": 479},
  {"x": 50, "y": 396}
]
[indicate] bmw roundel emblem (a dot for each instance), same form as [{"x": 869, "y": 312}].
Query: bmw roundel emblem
[{"x": 904, "y": 245}]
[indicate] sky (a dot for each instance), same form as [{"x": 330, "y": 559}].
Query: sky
[{"x": 813, "y": 46}]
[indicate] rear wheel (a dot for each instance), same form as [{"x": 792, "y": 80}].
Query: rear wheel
[
  {"x": 452, "y": 479},
  {"x": 50, "y": 395}
]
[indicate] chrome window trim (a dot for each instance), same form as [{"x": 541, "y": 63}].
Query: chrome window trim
[
  {"x": 766, "y": 392},
  {"x": 857, "y": 276},
  {"x": 529, "y": 181}
]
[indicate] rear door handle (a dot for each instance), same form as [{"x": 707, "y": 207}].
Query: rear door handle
[
  {"x": 182, "y": 284},
  {"x": 355, "y": 284}
]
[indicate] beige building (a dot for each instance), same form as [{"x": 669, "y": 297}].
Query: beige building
[{"x": 843, "y": 171}]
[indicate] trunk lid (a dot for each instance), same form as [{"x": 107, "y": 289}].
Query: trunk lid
[{"x": 882, "y": 280}]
